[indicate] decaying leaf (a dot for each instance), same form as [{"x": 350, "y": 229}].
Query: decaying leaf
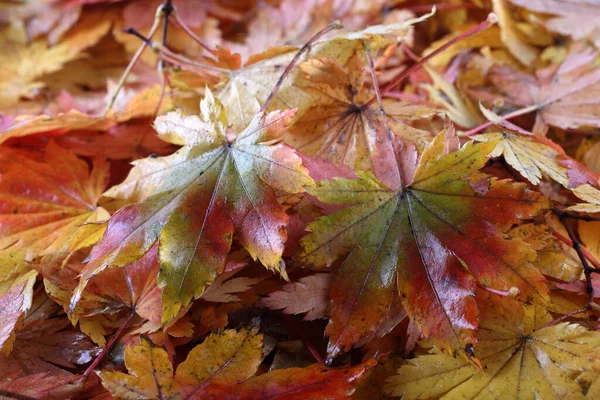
[
  {"x": 227, "y": 287},
  {"x": 113, "y": 292},
  {"x": 312, "y": 382},
  {"x": 220, "y": 368},
  {"x": 308, "y": 295},
  {"x": 44, "y": 352}
]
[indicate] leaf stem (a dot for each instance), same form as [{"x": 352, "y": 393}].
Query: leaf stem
[
  {"x": 109, "y": 345},
  {"x": 327, "y": 29},
  {"x": 178, "y": 21},
  {"x": 568, "y": 315},
  {"x": 576, "y": 244},
  {"x": 585, "y": 252},
  {"x": 440, "y": 6},
  {"x": 172, "y": 57},
  {"x": 491, "y": 20},
  {"x": 506, "y": 117},
  {"x": 132, "y": 63},
  {"x": 388, "y": 132},
  {"x": 290, "y": 321},
  {"x": 168, "y": 9}
]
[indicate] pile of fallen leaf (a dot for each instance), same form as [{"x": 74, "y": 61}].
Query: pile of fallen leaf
[{"x": 299, "y": 199}]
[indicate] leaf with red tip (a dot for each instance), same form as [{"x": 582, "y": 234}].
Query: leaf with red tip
[
  {"x": 313, "y": 382},
  {"x": 534, "y": 155},
  {"x": 435, "y": 238},
  {"x": 192, "y": 202}
]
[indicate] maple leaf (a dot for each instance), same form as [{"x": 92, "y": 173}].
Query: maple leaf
[
  {"x": 193, "y": 201},
  {"x": 563, "y": 96},
  {"x": 386, "y": 235},
  {"x": 220, "y": 368},
  {"x": 13, "y": 305},
  {"x": 58, "y": 124},
  {"x": 133, "y": 287},
  {"x": 590, "y": 195},
  {"x": 227, "y": 358},
  {"x": 576, "y": 18},
  {"x": 510, "y": 34},
  {"x": 227, "y": 286},
  {"x": 523, "y": 359},
  {"x": 312, "y": 382},
  {"x": 341, "y": 127},
  {"x": 434, "y": 238},
  {"x": 44, "y": 349},
  {"x": 118, "y": 126},
  {"x": 309, "y": 295},
  {"x": 46, "y": 202},
  {"x": 244, "y": 90},
  {"x": 531, "y": 155}
]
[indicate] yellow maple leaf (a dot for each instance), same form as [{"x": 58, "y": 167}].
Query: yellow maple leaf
[
  {"x": 522, "y": 357},
  {"x": 222, "y": 359}
]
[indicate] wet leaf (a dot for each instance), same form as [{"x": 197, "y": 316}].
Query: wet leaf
[
  {"x": 193, "y": 201},
  {"x": 435, "y": 238}
]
